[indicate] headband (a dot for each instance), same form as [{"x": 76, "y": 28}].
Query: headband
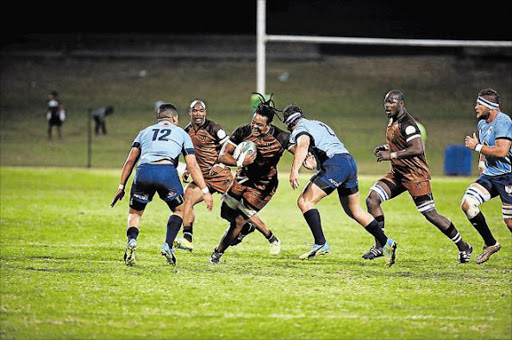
[
  {"x": 195, "y": 102},
  {"x": 488, "y": 104},
  {"x": 292, "y": 117}
]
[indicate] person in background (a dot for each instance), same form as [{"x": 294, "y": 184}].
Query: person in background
[
  {"x": 55, "y": 114},
  {"x": 99, "y": 115}
]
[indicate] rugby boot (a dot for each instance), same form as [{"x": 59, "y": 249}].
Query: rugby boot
[
  {"x": 129, "y": 254},
  {"x": 275, "y": 247},
  {"x": 316, "y": 250},
  {"x": 465, "y": 255},
  {"x": 168, "y": 253},
  {"x": 183, "y": 243},
  {"x": 389, "y": 251},
  {"x": 373, "y": 253},
  {"x": 487, "y": 252},
  {"x": 215, "y": 257}
]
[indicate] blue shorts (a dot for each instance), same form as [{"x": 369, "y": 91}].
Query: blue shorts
[
  {"x": 151, "y": 178},
  {"x": 498, "y": 185},
  {"x": 338, "y": 173}
]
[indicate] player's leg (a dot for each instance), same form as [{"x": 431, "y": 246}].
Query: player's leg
[
  {"x": 193, "y": 196},
  {"x": 421, "y": 193},
  {"x": 384, "y": 189},
  {"x": 132, "y": 232},
  {"x": 477, "y": 194}
]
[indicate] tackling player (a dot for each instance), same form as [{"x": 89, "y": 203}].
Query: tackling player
[
  {"x": 256, "y": 181},
  {"x": 208, "y": 138},
  {"x": 157, "y": 149},
  {"x": 409, "y": 172},
  {"x": 493, "y": 144},
  {"x": 337, "y": 171}
]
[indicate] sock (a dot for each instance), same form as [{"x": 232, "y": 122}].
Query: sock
[
  {"x": 453, "y": 234},
  {"x": 313, "y": 219},
  {"x": 481, "y": 226},
  {"x": 380, "y": 221},
  {"x": 173, "y": 226},
  {"x": 187, "y": 232},
  {"x": 132, "y": 233},
  {"x": 377, "y": 232},
  {"x": 247, "y": 228},
  {"x": 271, "y": 238}
]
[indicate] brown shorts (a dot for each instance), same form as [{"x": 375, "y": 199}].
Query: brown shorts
[
  {"x": 220, "y": 181},
  {"x": 398, "y": 185},
  {"x": 254, "y": 195}
]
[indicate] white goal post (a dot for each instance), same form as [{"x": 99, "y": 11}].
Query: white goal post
[{"x": 262, "y": 38}]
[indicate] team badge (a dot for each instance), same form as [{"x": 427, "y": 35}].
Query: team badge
[{"x": 508, "y": 189}]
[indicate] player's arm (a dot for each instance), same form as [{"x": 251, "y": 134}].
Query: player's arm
[
  {"x": 197, "y": 176},
  {"x": 501, "y": 149},
  {"x": 414, "y": 148},
  {"x": 128, "y": 166},
  {"x": 301, "y": 152}
]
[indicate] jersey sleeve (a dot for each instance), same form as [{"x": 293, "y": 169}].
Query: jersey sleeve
[
  {"x": 299, "y": 130},
  {"x": 503, "y": 129},
  {"x": 239, "y": 134},
  {"x": 188, "y": 146},
  {"x": 219, "y": 134},
  {"x": 137, "y": 141},
  {"x": 410, "y": 131}
]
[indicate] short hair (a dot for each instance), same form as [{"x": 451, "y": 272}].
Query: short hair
[
  {"x": 490, "y": 94},
  {"x": 166, "y": 110},
  {"x": 290, "y": 110},
  {"x": 54, "y": 93},
  {"x": 397, "y": 93}
]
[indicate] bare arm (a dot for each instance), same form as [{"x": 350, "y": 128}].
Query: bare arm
[
  {"x": 501, "y": 149},
  {"x": 414, "y": 148},
  {"x": 128, "y": 166},
  {"x": 301, "y": 152},
  {"x": 197, "y": 176}
]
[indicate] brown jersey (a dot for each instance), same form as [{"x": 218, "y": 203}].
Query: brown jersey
[
  {"x": 398, "y": 134},
  {"x": 270, "y": 149},
  {"x": 207, "y": 140}
]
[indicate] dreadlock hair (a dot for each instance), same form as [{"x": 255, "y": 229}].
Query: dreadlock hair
[{"x": 266, "y": 108}]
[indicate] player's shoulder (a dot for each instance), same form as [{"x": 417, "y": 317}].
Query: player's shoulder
[
  {"x": 503, "y": 118},
  {"x": 282, "y": 136},
  {"x": 242, "y": 131}
]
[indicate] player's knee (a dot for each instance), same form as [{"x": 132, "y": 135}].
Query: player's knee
[
  {"x": 372, "y": 200},
  {"x": 304, "y": 204},
  {"x": 376, "y": 196},
  {"x": 470, "y": 206}
]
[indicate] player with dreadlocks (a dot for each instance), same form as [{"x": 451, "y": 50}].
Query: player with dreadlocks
[{"x": 256, "y": 181}]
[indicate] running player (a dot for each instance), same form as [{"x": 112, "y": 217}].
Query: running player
[
  {"x": 409, "y": 172},
  {"x": 256, "y": 181},
  {"x": 337, "y": 171},
  {"x": 157, "y": 149},
  {"x": 208, "y": 138},
  {"x": 493, "y": 144}
]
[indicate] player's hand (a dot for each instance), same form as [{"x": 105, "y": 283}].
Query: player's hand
[
  {"x": 249, "y": 159},
  {"x": 294, "y": 179},
  {"x": 208, "y": 199},
  {"x": 471, "y": 142},
  {"x": 185, "y": 177},
  {"x": 383, "y": 156},
  {"x": 310, "y": 162},
  {"x": 380, "y": 148},
  {"x": 117, "y": 197}
]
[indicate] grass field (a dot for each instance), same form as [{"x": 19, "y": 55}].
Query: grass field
[{"x": 62, "y": 274}]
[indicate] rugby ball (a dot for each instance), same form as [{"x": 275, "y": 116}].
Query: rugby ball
[{"x": 242, "y": 150}]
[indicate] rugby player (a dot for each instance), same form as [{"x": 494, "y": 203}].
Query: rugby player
[
  {"x": 208, "y": 138},
  {"x": 256, "y": 181},
  {"x": 157, "y": 149},
  {"x": 337, "y": 171},
  {"x": 409, "y": 172},
  {"x": 493, "y": 144}
]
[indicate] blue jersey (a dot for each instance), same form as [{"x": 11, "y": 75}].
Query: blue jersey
[
  {"x": 163, "y": 140},
  {"x": 324, "y": 142},
  {"x": 499, "y": 128}
]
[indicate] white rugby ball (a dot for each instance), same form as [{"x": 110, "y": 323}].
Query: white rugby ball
[{"x": 242, "y": 150}]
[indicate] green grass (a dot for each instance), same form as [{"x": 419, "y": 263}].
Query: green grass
[
  {"x": 346, "y": 93},
  {"x": 62, "y": 274}
]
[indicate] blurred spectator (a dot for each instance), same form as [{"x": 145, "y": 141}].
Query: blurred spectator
[
  {"x": 55, "y": 114},
  {"x": 99, "y": 116}
]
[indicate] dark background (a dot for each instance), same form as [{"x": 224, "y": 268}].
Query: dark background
[{"x": 394, "y": 19}]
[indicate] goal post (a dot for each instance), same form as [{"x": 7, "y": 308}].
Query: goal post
[{"x": 262, "y": 38}]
